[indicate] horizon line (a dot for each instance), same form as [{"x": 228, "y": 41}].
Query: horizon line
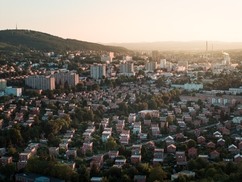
[{"x": 132, "y": 42}]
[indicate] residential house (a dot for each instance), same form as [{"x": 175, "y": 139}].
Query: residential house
[
  {"x": 119, "y": 162},
  {"x": 201, "y": 140},
  {"x": 240, "y": 146},
  {"x": 225, "y": 131},
  {"x": 106, "y": 134},
  {"x": 71, "y": 154},
  {"x": 214, "y": 154},
  {"x": 124, "y": 137},
  {"x": 238, "y": 158},
  {"x": 139, "y": 178},
  {"x": 132, "y": 117},
  {"x": 137, "y": 127},
  {"x": 120, "y": 125},
  {"x": 211, "y": 145},
  {"x": 63, "y": 145},
  {"x": 96, "y": 179},
  {"x": 21, "y": 164},
  {"x": 147, "y": 122},
  {"x": 203, "y": 156},
  {"x": 3, "y": 151},
  {"x": 135, "y": 159},
  {"x": 155, "y": 130},
  {"x": 97, "y": 160},
  {"x": 54, "y": 151},
  {"x": 217, "y": 134},
  {"x": 136, "y": 149},
  {"x": 220, "y": 142},
  {"x": 172, "y": 128},
  {"x": 113, "y": 154},
  {"x": 143, "y": 136},
  {"x": 158, "y": 156},
  {"x": 24, "y": 156},
  {"x": 169, "y": 140},
  {"x": 180, "y": 136},
  {"x": 181, "y": 158},
  {"x": 171, "y": 148},
  {"x": 192, "y": 152},
  {"x": 189, "y": 174},
  {"x": 87, "y": 146},
  {"x": 233, "y": 149},
  {"x": 6, "y": 160}
]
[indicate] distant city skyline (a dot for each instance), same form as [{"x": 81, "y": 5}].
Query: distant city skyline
[{"x": 110, "y": 21}]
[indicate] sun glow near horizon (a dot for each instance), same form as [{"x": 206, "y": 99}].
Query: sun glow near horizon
[{"x": 127, "y": 21}]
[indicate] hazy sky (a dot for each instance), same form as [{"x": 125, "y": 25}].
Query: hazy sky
[{"x": 127, "y": 20}]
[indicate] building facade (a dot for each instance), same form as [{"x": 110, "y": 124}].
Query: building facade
[
  {"x": 127, "y": 69},
  {"x": 151, "y": 66},
  {"x": 69, "y": 77},
  {"x": 3, "y": 84},
  {"x": 98, "y": 71},
  {"x": 41, "y": 82},
  {"x": 13, "y": 91}
]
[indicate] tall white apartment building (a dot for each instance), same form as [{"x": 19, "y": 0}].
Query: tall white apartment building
[
  {"x": 226, "y": 60},
  {"x": 163, "y": 63},
  {"x": 98, "y": 71},
  {"x": 40, "y": 82},
  {"x": 107, "y": 58},
  {"x": 127, "y": 68},
  {"x": 64, "y": 76},
  {"x": 151, "y": 66}
]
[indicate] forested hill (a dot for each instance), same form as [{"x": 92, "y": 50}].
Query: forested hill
[{"x": 46, "y": 42}]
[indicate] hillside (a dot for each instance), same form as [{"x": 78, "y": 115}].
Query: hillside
[{"x": 46, "y": 42}]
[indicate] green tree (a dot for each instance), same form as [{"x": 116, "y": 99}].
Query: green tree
[
  {"x": 144, "y": 168},
  {"x": 15, "y": 136},
  {"x": 43, "y": 153},
  {"x": 191, "y": 143},
  {"x": 157, "y": 173},
  {"x": 111, "y": 143}
]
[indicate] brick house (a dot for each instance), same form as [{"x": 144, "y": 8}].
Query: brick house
[
  {"x": 238, "y": 158},
  {"x": 113, "y": 154},
  {"x": 211, "y": 145},
  {"x": 158, "y": 156},
  {"x": 119, "y": 162},
  {"x": 240, "y": 145},
  {"x": 24, "y": 156},
  {"x": 97, "y": 160},
  {"x": 221, "y": 142},
  {"x": 233, "y": 149},
  {"x": 201, "y": 140},
  {"x": 136, "y": 149},
  {"x": 171, "y": 148},
  {"x": 214, "y": 154},
  {"x": 192, "y": 152},
  {"x": 135, "y": 159},
  {"x": 71, "y": 154},
  {"x": 87, "y": 146}
]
